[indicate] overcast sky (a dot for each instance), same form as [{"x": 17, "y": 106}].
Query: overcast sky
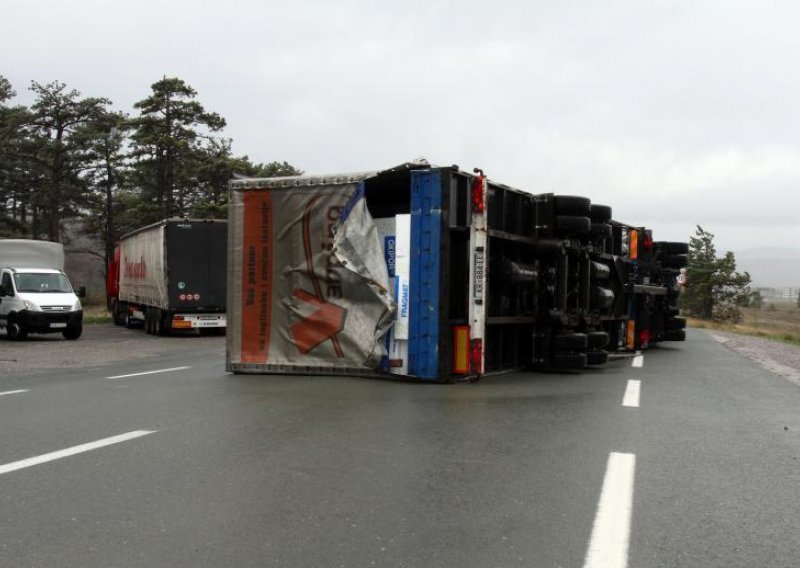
[{"x": 674, "y": 113}]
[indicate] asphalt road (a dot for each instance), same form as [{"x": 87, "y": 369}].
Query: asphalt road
[{"x": 243, "y": 470}]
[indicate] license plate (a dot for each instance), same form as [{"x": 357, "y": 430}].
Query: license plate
[
  {"x": 478, "y": 274},
  {"x": 57, "y": 325}
]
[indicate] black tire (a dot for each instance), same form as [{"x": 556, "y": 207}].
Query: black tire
[
  {"x": 118, "y": 312},
  {"x": 596, "y": 357},
  {"x": 571, "y": 225},
  {"x": 673, "y": 248},
  {"x": 601, "y": 231},
  {"x": 570, "y": 342},
  {"x": 597, "y": 340},
  {"x": 675, "y": 335},
  {"x": 600, "y": 213},
  {"x": 128, "y": 320},
  {"x": 166, "y": 323},
  {"x": 675, "y": 323},
  {"x": 158, "y": 322},
  {"x": 16, "y": 332},
  {"x": 674, "y": 261},
  {"x": 572, "y": 205},
  {"x": 599, "y": 271},
  {"x": 148, "y": 321},
  {"x": 72, "y": 333},
  {"x": 568, "y": 361},
  {"x": 602, "y": 298}
]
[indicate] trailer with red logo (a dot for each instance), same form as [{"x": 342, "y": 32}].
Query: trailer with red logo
[
  {"x": 425, "y": 272},
  {"x": 171, "y": 275}
]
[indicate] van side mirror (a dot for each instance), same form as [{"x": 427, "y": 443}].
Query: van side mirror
[{"x": 82, "y": 292}]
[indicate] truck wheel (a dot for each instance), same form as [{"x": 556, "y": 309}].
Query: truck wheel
[
  {"x": 166, "y": 321},
  {"x": 597, "y": 339},
  {"x": 674, "y": 261},
  {"x": 128, "y": 320},
  {"x": 569, "y": 360},
  {"x": 73, "y": 332},
  {"x": 572, "y": 205},
  {"x": 675, "y": 323},
  {"x": 601, "y": 230},
  {"x": 675, "y": 335},
  {"x": 600, "y": 213},
  {"x": 118, "y": 313},
  {"x": 157, "y": 322},
  {"x": 570, "y": 225},
  {"x": 16, "y": 332},
  {"x": 150, "y": 321},
  {"x": 570, "y": 342},
  {"x": 673, "y": 248},
  {"x": 596, "y": 357}
]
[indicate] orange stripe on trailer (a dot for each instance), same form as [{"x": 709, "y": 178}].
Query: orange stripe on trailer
[
  {"x": 634, "y": 238},
  {"x": 630, "y": 336},
  {"x": 461, "y": 349},
  {"x": 257, "y": 252}
]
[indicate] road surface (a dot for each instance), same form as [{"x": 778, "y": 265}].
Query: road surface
[{"x": 687, "y": 456}]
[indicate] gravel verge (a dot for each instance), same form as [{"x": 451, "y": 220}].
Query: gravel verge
[
  {"x": 100, "y": 344},
  {"x": 780, "y": 358}
]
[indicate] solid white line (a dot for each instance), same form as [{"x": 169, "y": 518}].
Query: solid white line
[
  {"x": 148, "y": 373},
  {"x": 44, "y": 458},
  {"x": 13, "y": 392},
  {"x": 638, "y": 360},
  {"x": 632, "y": 391},
  {"x": 608, "y": 547}
]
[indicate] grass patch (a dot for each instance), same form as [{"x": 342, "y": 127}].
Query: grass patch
[
  {"x": 773, "y": 331},
  {"x": 95, "y": 314}
]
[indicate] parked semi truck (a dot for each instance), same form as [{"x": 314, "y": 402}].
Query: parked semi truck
[
  {"x": 434, "y": 273},
  {"x": 170, "y": 275},
  {"x": 35, "y": 294}
]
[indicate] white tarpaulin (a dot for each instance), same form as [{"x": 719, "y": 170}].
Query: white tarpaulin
[{"x": 141, "y": 267}]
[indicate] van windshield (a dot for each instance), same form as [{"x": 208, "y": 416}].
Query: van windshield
[{"x": 42, "y": 283}]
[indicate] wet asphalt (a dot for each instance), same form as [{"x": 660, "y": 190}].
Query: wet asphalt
[{"x": 248, "y": 470}]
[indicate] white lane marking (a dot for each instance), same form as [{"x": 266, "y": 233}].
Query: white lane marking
[
  {"x": 608, "y": 547},
  {"x": 632, "y": 392},
  {"x": 638, "y": 360},
  {"x": 44, "y": 458},
  {"x": 13, "y": 392},
  {"x": 148, "y": 373}
]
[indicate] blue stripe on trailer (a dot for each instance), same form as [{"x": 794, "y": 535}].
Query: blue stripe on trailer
[{"x": 426, "y": 237}]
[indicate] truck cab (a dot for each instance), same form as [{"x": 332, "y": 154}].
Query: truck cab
[{"x": 39, "y": 300}]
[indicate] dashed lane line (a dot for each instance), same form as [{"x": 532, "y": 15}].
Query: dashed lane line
[
  {"x": 632, "y": 392},
  {"x": 638, "y": 360},
  {"x": 13, "y": 392},
  {"x": 148, "y": 373},
  {"x": 44, "y": 458},
  {"x": 608, "y": 547}
]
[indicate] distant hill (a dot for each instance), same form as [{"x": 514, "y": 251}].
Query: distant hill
[{"x": 770, "y": 267}]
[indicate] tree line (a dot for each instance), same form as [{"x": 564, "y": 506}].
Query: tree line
[{"x": 67, "y": 156}]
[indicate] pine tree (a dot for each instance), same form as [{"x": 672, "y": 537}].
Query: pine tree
[
  {"x": 169, "y": 138},
  {"x": 715, "y": 290}
]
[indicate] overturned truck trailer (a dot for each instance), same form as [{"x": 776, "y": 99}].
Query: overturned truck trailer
[{"x": 437, "y": 274}]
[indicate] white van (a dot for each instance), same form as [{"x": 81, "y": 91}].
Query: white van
[{"x": 35, "y": 294}]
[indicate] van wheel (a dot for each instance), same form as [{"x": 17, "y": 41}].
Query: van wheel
[
  {"x": 16, "y": 332},
  {"x": 73, "y": 332}
]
